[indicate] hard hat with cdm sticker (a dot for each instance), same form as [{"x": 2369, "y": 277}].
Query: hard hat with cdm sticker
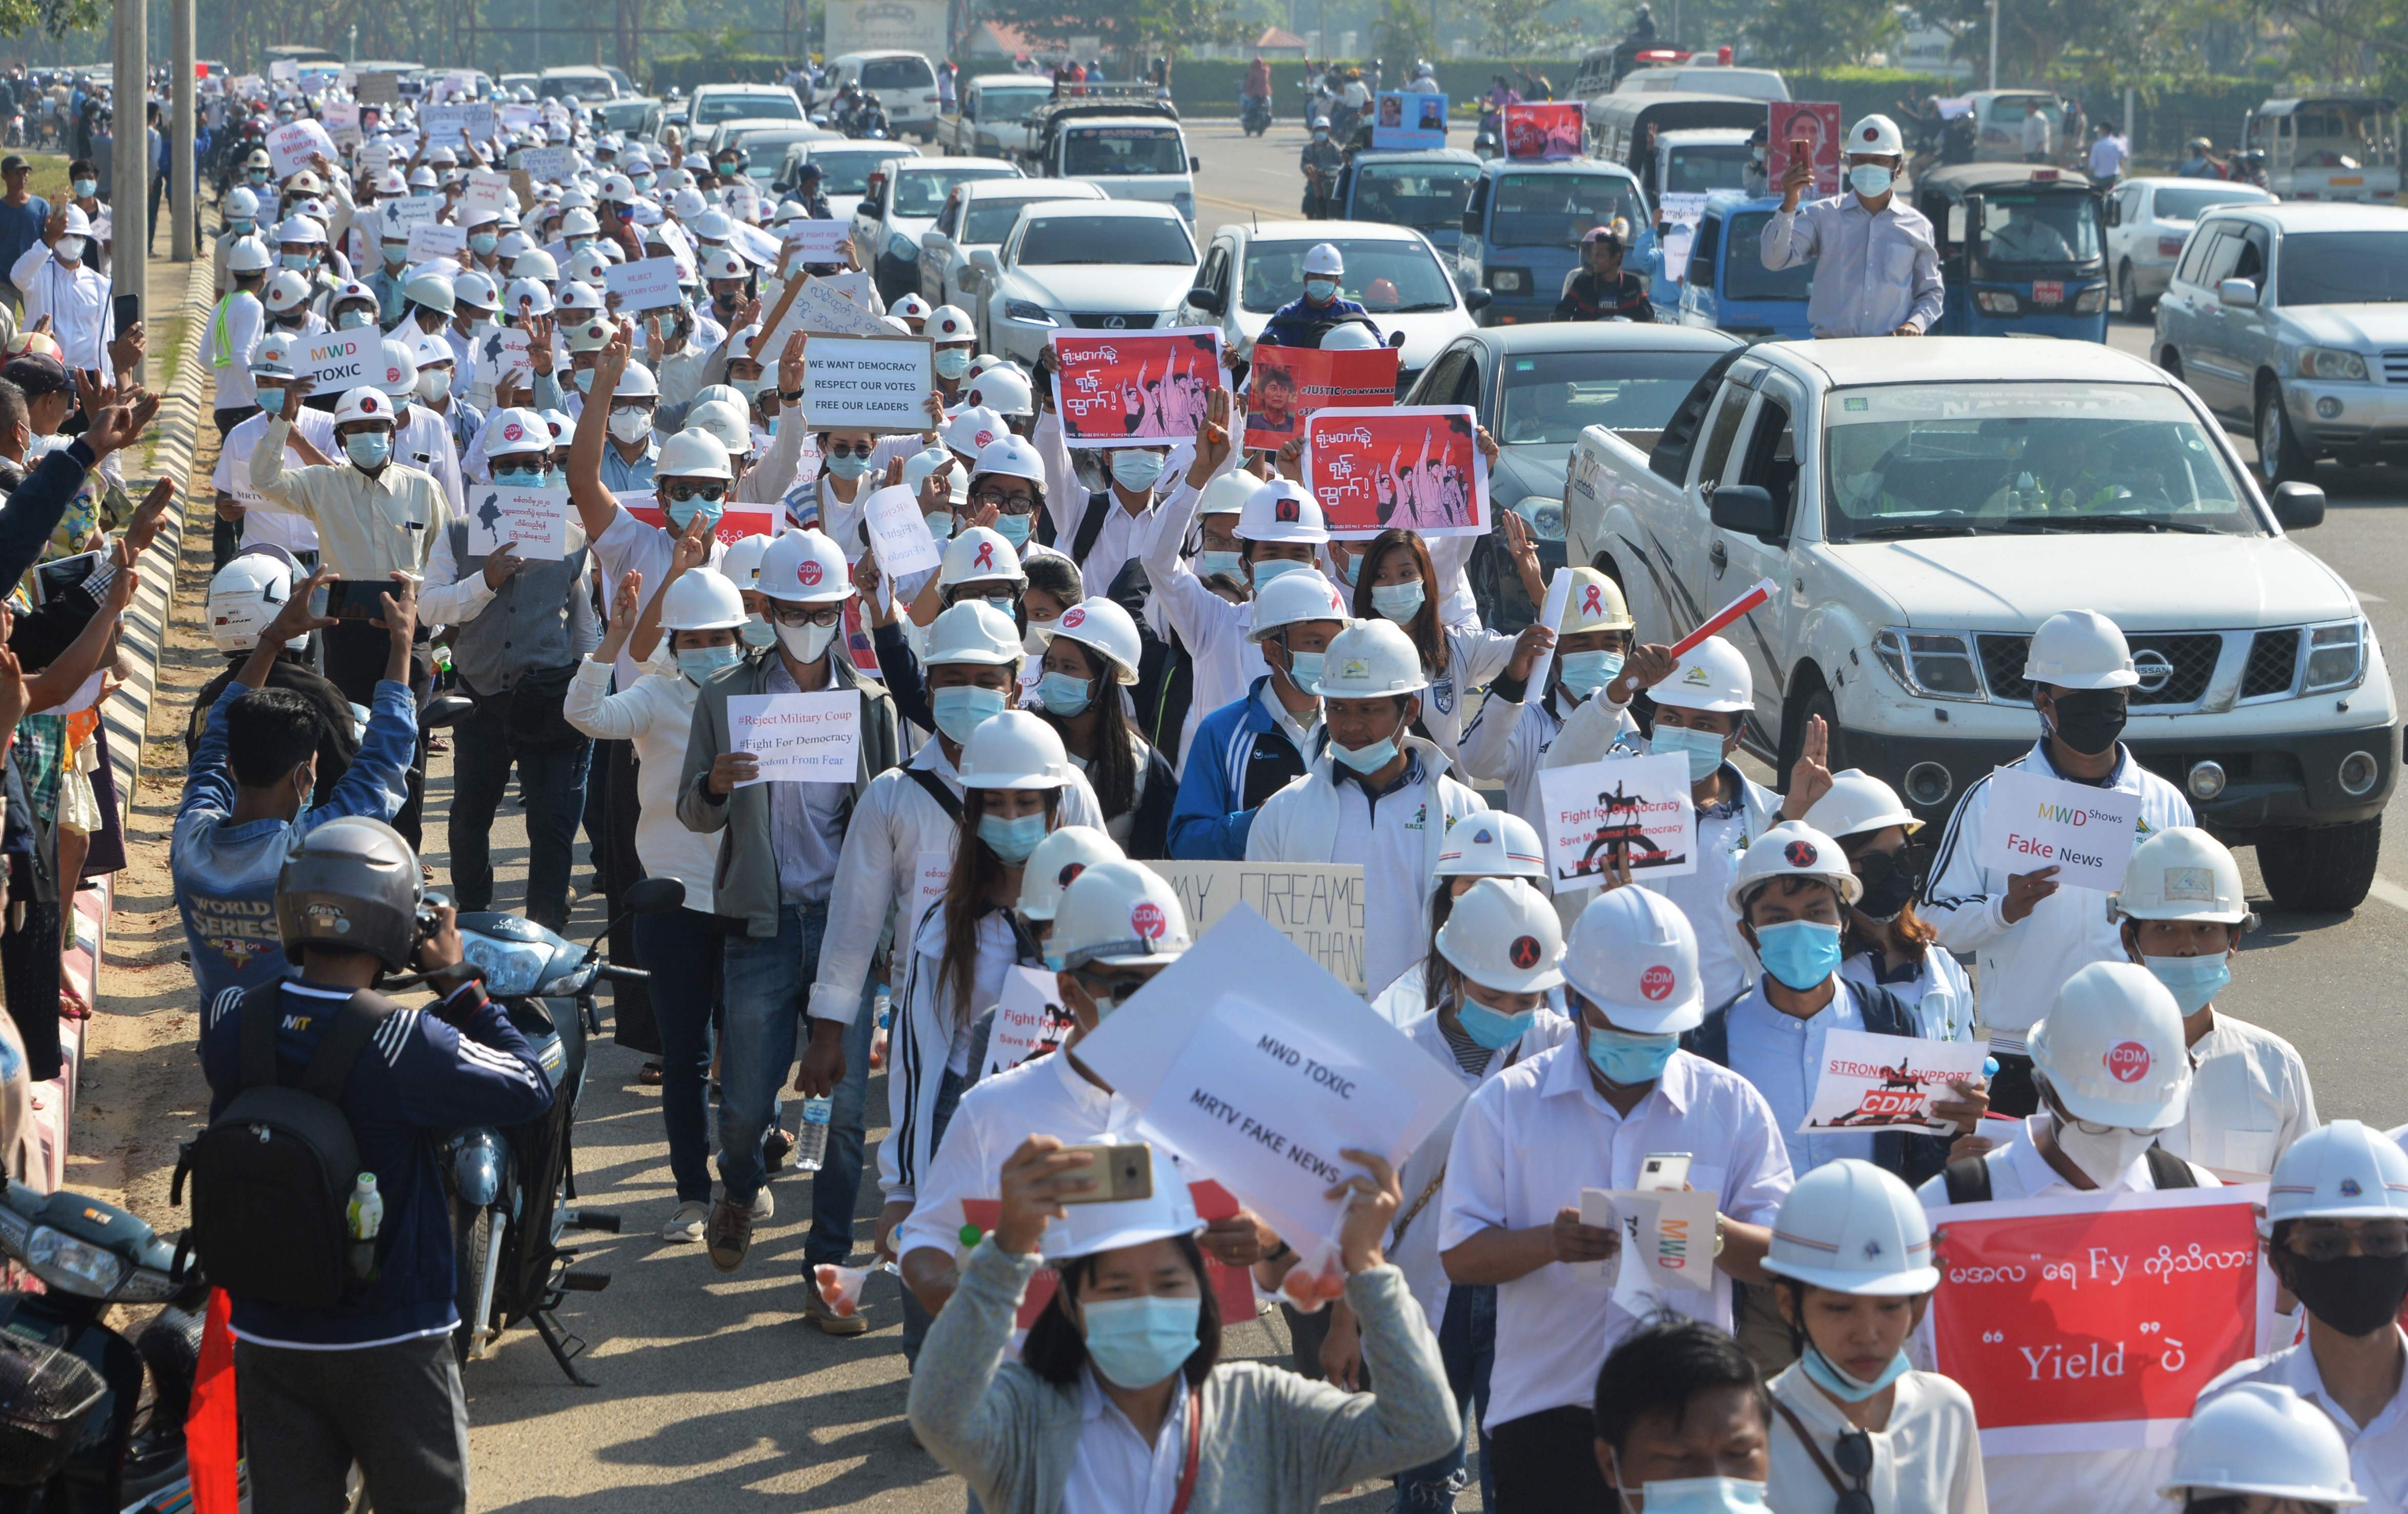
[
  {"x": 804, "y": 566},
  {"x": 2112, "y": 1049},
  {"x": 1633, "y": 955},
  {"x": 1116, "y": 915}
]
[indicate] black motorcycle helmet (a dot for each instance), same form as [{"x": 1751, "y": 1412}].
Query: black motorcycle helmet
[{"x": 353, "y": 884}]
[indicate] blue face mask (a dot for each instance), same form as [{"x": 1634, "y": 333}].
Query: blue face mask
[
  {"x": 272, "y": 401},
  {"x": 699, "y": 662},
  {"x": 241, "y": 226},
  {"x": 963, "y": 708},
  {"x": 1703, "y": 748},
  {"x": 681, "y": 511},
  {"x": 1134, "y": 471},
  {"x": 1630, "y": 1059},
  {"x": 1703, "y": 1495},
  {"x": 1585, "y": 673},
  {"x": 1869, "y": 179},
  {"x": 1493, "y": 1028},
  {"x": 1801, "y": 953},
  {"x": 1350, "y": 568},
  {"x": 1320, "y": 291},
  {"x": 1015, "y": 528},
  {"x": 1013, "y": 839},
  {"x": 1399, "y": 602},
  {"x": 850, "y": 467},
  {"x": 583, "y": 379},
  {"x": 942, "y": 527},
  {"x": 951, "y": 363},
  {"x": 1271, "y": 568},
  {"x": 483, "y": 244},
  {"x": 1209, "y": 563},
  {"x": 1135, "y": 1342},
  {"x": 369, "y": 449},
  {"x": 2194, "y": 981},
  {"x": 298, "y": 261},
  {"x": 1065, "y": 695},
  {"x": 758, "y": 632},
  {"x": 396, "y": 257},
  {"x": 1822, "y": 1374},
  {"x": 1304, "y": 670},
  {"x": 86, "y": 188},
  {"x": 1366, "y": 759}
]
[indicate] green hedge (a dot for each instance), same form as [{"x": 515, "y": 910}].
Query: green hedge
[{"x": 684, "y": 72}]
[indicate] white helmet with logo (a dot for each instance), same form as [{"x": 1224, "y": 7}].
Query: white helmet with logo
[
  {"x": 1369, "y": 659},
  {"x": 1003, "y": 389},
  {"x": 1102, "y": 625},
  {"x": 2261, "y": 1438},
  {"x": 1853, "y": 1228},
  {"x": 725, "y": 422},
  {"x": 804, "y": 566},
  {"x": 1792, "y": 849},
  {"x": 1060, "y": 857},
  {"x": 1858, "y": 802},
  {"x": 2183, "y": 874},
  {"x": 973, "y": 429},
  {"x": 1282, "y": 510},
  {"x": 1293, "y": 598},
  {"x": 1714, "y": 677},
  {"x": 364, "y": 403},
  {"x": 1115, "y": 914},
  {"x": 950, "y": 323},
  {"x": 516, "y": 430},
  {"x": 285, "y": 289},
  {"x": 980, "y": 553},
  {"x": 1503, "y": 935},
  {"x": 1633, "y": 955},
  {"x": 2345, "y": 1171},
  {"x": 1009, "y": 457},
  {"x": 741, "y": 562},
  {"x": 911, "y": 308},
  {"x": 1014, "y": 750},
  {"x": 1489, "y": 843},
  {"x": 400, "y": 370},
  {"x": 692, "y": 453},
  {"x": 2080, "y": 649},
  {"x": 1323, "y": 258},
  {"x": 245, "y": 594},
  {"x": 2112, "y": 1047},
  {"x": 702, "y": 600},
  {"x": 973, "y": 631},
  {"x": 1593, "y": 604},
  {"x": 1877, "y": 134}
]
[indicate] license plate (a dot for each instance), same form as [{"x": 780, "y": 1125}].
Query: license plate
[
  {"x": 2350, "y": 183},
  {"x": 2048, "y": 294}
]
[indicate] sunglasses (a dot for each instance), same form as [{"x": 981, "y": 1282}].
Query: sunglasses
[
  {"x": 1010, "y": 504},
  {"x": 2329, "y": 1240},
  {"x": 1854, "y": 1453},
  {"x": 709, "y": 492},
  {"x": 848, "y": 448}
]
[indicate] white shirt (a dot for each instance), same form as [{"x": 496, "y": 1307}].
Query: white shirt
[
  {"x": 1531, "y": 1138},
  {"x": 424, "y": 440},
  {"x": 76, "y": 300},
  {"x": 1114, "y": 1471},
  {"x": 2378, "y": 1451},
  {"x": 1724, "y": 963},
  {"x": 263, "y": 524},
  {"x": 236, "y": 324},
  {"x": 2107, "y": 156},
  {"x": 2249, "y": 1101},
  {"x": 1510, "y": 741},
  {"x": 1782, "y": 1055},
  {"x": 1225, "y": 661},
  {"x": 1939, "y": 993},
  {"x": 657, "y": 714},
  {"x": 1927, "y": 1460},
  {"x": 1122, "y": 534},
  {"x": 630, "y": 545}
]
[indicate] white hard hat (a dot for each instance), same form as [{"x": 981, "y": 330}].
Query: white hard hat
[
  {"x": 474, "y": 287},
  {"x": 1877, "y": 134},
  {"x": 2112, "y": 1047},
  {"x": 269, "y": 359},
  {"x": 590, "y": 265},
  {"x": 241, "y": 203},
  {"x": 1228, "y": 494},
  {"x": 537, "y": 264},
  {"x": 1323, "y": 258},
  {"x": 1282, "y": 510},
  {"x": 579, "y": 221},
  {"x": 1115, "y": 913},
  {"x": 1488, "y": 844},
  {"x": 973, "y": 631},
  {"x": 1009, "y": 457},
  {"x": 950, "y": 323},
  {"x": 692, "y": 453},
  {"x": 741, "y": 561},
  {"x": 516, "y": 429},
  {"x": 2343, "y": 1171},
  {"x": 719, "y": 263},
  {"x": 363, "y": 404},
  {"x": 1858, "y": 802},
  {"x": 1101, "y": 624},
  {"x": 2262, "y": 1438},
  {"x": 1014, "y": 750},
  {"x": 897, "y": 321},
  {"x": 804, "y": 568},
  {"x": 973, "y": 429},
  {"x": 1714, "y": 677},
  {"x": 285, "y": 289},
  {"x": 577, "y": 295},
  {"x": 2079, "y": 649},
  {"x": 389, "y": 183},
  {"x": 1853, "y": 1228},
  {"x": 1633, "y": 955},
  {"x": 911, "y": 308},
  {"x": 400, "y": 372},
  {"x": 929, "y": 460},
  {"x": 1503, "y": 935},
  {"x": 1004, "y": 390},
  {"x": 637, "y": 382},
  {"x": 1792, "y": 849},
  {"x": 1086, "y": 1229},
  {"x": 1062, "y": 855},
  {"x": 1293, "y": 598},
  {"x": 2183, "y": 874},
  {"x": 431, "y": 350},
  {"x": 980, "y": 553},
  {"x": 537, "y": 297},
  {"x": 702, "y": 600},
  {"x": 1371, "y": 659},
  {"x": 245, "y": 594},
  {"x": 1593, "y": 604},
  {"x": 297, "y": 228},
  {"x": 725, "y": 422},
  {"x": 1350, "y": 337},
  {"x": 592, "y": 334},
  {"x": 618, "y": 190},
  {"x": 432, "y": 290},
  {"x": 688, "y": 206},
  {"x": 350, "y": 292},
  {"x": 249, "y": 254}
]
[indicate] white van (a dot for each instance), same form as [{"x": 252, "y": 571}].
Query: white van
[
  {"x": 1127, "y": 149},
  {"x": 903, "y": 83}
]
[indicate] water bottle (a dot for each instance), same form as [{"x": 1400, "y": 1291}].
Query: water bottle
[
  {"x": 810, "y": 1141},
  {"x": 364, "y": 1217}
]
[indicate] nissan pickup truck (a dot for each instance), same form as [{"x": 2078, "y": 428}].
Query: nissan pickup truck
[{"x": 1922, "y": 504}]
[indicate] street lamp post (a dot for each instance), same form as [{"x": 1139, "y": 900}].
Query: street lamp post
[
  {"x": 183, "y": 166},
  {"x": 129, "y": 149}
]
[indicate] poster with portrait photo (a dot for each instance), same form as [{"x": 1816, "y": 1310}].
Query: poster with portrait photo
[
  {"x": 1415, "y": 466},
  {"x": 1119, "y": 388},
  {"x": 1287, "y": 383},
  {"x": 1405, "y": 121}
]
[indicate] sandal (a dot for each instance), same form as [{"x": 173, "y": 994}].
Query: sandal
[{"x": 649, "y": 1075}]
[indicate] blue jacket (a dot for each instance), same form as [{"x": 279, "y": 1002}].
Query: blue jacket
[
  {"x": 225, "y": 874},
  {"x": 1240, "y": 757},
  {"x": 419, "y": 1076},
  {"x": 1298, "y": 322}
]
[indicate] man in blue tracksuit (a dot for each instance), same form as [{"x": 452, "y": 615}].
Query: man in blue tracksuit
[
  {"x": 1249, "y": 749},
  {"x": 246, "y": 798},
  {"x": 1300, "y": 322}
]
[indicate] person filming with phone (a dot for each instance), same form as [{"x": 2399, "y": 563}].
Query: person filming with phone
[{"x": 1877, "y": 271}]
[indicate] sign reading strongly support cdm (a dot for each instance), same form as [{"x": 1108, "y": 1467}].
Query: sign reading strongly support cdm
[
  {"x": 2036, "y": 821},
  {"x": 1870, "y": 1082},
  {"x": 1317, "y": 905}
]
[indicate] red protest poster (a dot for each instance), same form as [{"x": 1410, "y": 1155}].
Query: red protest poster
[
  {"x": 737, "y": 523},
  {"x": 1233, "y": 1286},
  {"x": 2091, "y": 1321},
  {"x": 1547, "y": 129},
  {"x": 1417, "y": 467},
  {"x": 1814, "y": 122},
  {"x": 1115, "y": 387},
  {"x": 1287, "y": 383}
]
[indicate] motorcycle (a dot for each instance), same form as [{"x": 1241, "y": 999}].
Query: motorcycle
[
  {"x": 1255, "y": 114},
  {"x": 868, "y": 120},
  {"x": 76, "y": 1435}
]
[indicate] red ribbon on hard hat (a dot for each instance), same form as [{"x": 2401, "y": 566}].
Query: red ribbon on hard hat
[
  {"x": 985, "y": 557},
  {"x": 1754, "y": 597},
  {"x": 1593, "y": 602}
]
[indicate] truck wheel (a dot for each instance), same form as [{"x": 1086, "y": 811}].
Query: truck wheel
[
  {"x": 2280, "y": 459},
  {"x": 1793, "y": 733},
  {"x": 2323, "y": 871}
]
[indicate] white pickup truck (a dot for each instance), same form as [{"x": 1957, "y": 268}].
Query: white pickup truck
[{"x": 1922, "y": 503}]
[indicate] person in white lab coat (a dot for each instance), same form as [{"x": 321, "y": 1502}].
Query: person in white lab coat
[
  {"x": 1397, "y": 584},
  {"x": 1485, "y": 844},
  {"x": 1517, "y": 726},
  {"x": 57, "y": 278}
]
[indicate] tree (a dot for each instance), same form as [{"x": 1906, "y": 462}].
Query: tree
[
  {"x": 1523, "y": 28},
  {"x": 1817, "y": 34},
  {"x": 1131, "y": 28},
  {"x": 55, "y": 18},
  {"x": 1401, "y": 32}
]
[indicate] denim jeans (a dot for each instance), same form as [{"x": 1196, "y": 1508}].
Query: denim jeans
[
  {"x": 1467, "y": 1341},
  {"x": 915, "y": 1319},
  {"x": 835, "y": 1188},
  {"x": 553, "y": 779},
  {"x": 767, "y": 981},
  {"x": 681, "y": 949}
]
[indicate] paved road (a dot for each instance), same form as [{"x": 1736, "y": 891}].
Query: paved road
[{"x": 710, "y": 1387}]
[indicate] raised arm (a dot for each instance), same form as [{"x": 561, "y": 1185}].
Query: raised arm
[{"x": 596, "y": 506}]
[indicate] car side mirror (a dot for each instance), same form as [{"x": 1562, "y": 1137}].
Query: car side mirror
[
  {"x": 868, "y": 208},
  {"x": 1396, "y": 340},
  {"x": 2115, "y": 212},
  {"x": 1476, "y": 300},
  {"x": 1207, "y": 300},
  {"x": 2240, "y": 293},
  {"x": 1472, "y": 222},
  {"x": 1195, "y": 164},
  {"x": 1748, "y": 510},
  {"x": 983, "y": 258},
  {"x": 2299, "y": 506},
  {"x": 450, "y": 709},
  {"x": 1976, "y": 224},
  {"x": 655, "y": 896}
]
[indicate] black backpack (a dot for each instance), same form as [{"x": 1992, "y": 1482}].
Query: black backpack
[
  {"x": 1968, "y": 1178},
  {"x": 272, "y": 1175}
]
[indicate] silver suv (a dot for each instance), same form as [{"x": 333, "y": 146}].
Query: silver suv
[{"x": 2293, "y": 320}]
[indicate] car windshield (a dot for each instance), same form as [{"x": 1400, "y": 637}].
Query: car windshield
[
  {"x": 920, "y": 192},
  {"x": 2342, "y": 267},
  {"x": 1744, "y": 275},
  {"x": 897, "y": 74},
  {"x": 1427, "y": 196},
  {"x": 1011, "y": 105},
  {"x": 2039, "y": 228},
  {"x": 2186, "y": 204},
  {"x": 1703, "y": 168},
  {"x": 847, "y": 174},
  {"x": 1540, "y": 210},
  {"x": 1100, "y": 150},
  {"x": 2024, "y": 459},
  {"x": 990, "y": 220},
  {"x": 580, "y": 87},
  {"x": 1550, "y": 397},
  {"x": 713, "y": 109},
  {"x": 1386, "y": 276},
  {"x": 1119, "y": 240},
  {"x": 626, "y": 115}
]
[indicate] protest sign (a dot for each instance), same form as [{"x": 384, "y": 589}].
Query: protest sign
[
  {"x": 1232, "y": 1286},
  {"x": 1287, "y": 383},
  {"x": 375, "y": 157},
  {"x": 1317, "y": 905},
  {"x": 1816, "y": 124},
  {"x": 379, "y": 89},
  {"x": 1409, "y": 121},
  {"x": 1669, "y": 1231},
  {"x": 445, "y": 124},
  {"x": 754, "y": 245},
  {"x": 1416, "y": 466},
  {"x": 284, "y": 70},
  {"x": 1547, "y": 129},
  {"x": 334, "y": 361},
  {"x": 877, "y": 383},
  {"x": 735, "y": 523},
  {"x": 1598, "y": 817},
  {"x": 519, "y": 118},
  {"x": 291, "y": 146},
  {"x": 2036, "y": 821},
  {"x": 1259, "y": 1068},
  {"x": 487, "y": 191},
  {"x": 535, "y": 521},
  {"x": 1870, "y": 1082},
  {"x": 500, "y": 352},
  {"x": 1680, "y": 216},
  {"x": 342, "y": 122},
  {"x": 550, "y": 165},
  {"x": 799, "y": 737},
  {"x": 1116, "y": 388},
  {"x": 1029, "y": 1020},
  {"x": 818, "y": 240},
  {"x": 899, "y": 537},
  {"x": 930, "y": 872},
  {"x": 433, "y": 239},
  {"x": 647, "y": 284},
  {"x": 411, "y": 210},
  {"x": 853, "y": 284},
  {"x": 2090, "y": 1322},
  {"x": 743, "y": 201}
]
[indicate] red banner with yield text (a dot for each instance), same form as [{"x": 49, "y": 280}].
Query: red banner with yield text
[{"x": 2091, "y": 1321}]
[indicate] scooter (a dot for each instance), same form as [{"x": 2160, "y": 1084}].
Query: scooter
[
  {"x": 1255, "y": 114},
  {"x": 75, "y": 1436}
]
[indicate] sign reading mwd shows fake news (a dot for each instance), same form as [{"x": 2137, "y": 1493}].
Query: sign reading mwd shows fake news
[{"x": 2035, "y": 822}]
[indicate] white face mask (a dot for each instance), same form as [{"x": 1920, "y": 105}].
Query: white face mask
[
  {"x": 2102, "y": 1156},
  {"x": 805, "y": 644},
  {"x": 433, "y": 385},
  {"x": 631, "y": 425}
]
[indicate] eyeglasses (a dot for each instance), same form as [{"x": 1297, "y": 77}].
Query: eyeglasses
[
  {"x": 1010, "y": 504},
  {"x": 2329, "y": 1240},
  {"x": 1121, "y": 985},
  {"x": 1854, "y": 1452},
  {"x": 1001, "y": 599},
  {"x": 805, "y": 614},
  {"x": 709, "y": 492},
  {"x": 848, "y": 448}
]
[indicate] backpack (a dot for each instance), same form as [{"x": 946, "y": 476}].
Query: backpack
[
  {"x": 272, "y": 1175},
  {"x": 1969, "y": 1177}
]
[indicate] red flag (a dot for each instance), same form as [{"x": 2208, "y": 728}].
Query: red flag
[{"x": 212, "y": 1436}]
